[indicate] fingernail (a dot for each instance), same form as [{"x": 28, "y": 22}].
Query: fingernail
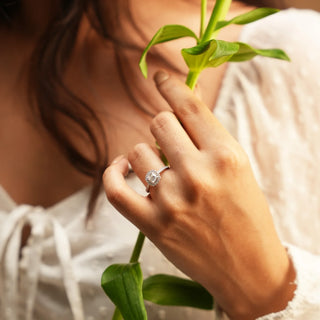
[
  {"x": 117, "y": 159},
  {"x": 160, "y": 77}
]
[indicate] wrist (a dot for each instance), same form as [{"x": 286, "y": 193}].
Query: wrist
[
  {"x": 285, "y": 291},
  {"x": 271, "y": 298}
]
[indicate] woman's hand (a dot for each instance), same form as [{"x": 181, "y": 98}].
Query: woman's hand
[{"x": 207, "y": 214}]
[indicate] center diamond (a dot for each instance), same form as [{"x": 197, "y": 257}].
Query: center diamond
[{"x": 153, "y": 178}]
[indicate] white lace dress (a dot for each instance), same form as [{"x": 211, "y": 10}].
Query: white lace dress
[{"x": 271, "y": 107}]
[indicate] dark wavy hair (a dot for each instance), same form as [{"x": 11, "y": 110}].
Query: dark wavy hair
[{"x": 49, "y": 96}]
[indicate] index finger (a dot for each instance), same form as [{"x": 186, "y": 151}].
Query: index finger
[{"x": 197, "y": 119}]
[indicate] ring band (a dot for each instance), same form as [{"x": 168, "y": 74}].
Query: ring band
[{"x": 153, "y": 177}]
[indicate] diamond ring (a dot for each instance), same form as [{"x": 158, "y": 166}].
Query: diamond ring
[{"x": 153, "y": 177}]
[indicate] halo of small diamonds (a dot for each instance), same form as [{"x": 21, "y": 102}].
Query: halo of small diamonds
[{"x": 152, "y": 178}]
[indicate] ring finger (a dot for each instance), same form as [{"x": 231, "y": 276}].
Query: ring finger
[{"x": 143, "y": 159}]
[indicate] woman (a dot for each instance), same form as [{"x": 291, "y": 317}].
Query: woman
[{"x": 76, "y": 68}]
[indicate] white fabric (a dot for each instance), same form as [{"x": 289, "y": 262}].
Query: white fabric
[
  {"x": 271, "y": 108},
  {"x": 10, "y": 242}
]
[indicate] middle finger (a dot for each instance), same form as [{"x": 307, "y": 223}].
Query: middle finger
[{"x": 172, "y": 138}]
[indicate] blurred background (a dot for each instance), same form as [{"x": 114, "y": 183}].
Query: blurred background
[{"x": 314, "y": 4}]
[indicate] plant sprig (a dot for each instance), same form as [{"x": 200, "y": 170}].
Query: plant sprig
[
  {"x": 209, "y": 51},
  {"x": 124, "y": 283}
]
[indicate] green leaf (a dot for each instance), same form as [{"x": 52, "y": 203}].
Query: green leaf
[
  {"x": 248, "y": 17},
  {"x": 246, "y": 52},
  {"x": 164, "y": 34},
  {"x": 174, "y": 291},
  {"x": 210, "y": 54},
  {"x": 123, "y": 285}
]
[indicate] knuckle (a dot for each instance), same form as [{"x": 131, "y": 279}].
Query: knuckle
[
  {"x": 230, "y": 159},
  {"x": 190, "y": 106},
  {"x": 160, "y": 121},
  {"x": 199, "y": 187},
  {"x": 136, "y": 153}
]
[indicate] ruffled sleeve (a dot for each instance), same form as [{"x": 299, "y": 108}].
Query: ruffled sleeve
[{"x": 306, "y": 302}]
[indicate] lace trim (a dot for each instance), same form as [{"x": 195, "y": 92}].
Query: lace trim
[{"x": 306, "y": 299}]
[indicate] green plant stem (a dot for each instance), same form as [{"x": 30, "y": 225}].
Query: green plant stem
[
  {"x": 192, "y": 79},
  {"x": 134, "y": 258},
  {"x": 219, "y": 12},
  {"x": 203, "y": 16},
  {"x": 137, "y": 248}
]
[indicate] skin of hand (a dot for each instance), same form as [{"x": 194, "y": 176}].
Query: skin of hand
[{"x": 207, "y": 214}]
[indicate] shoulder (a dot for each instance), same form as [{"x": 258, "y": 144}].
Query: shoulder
[
  {"x": 288, "y": 27},
  {"x": 278, "y": 87},
  {"x": 295, "y": 31}
]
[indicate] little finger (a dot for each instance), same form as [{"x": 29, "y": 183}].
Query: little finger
[{"x": 136, "y": 208}]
